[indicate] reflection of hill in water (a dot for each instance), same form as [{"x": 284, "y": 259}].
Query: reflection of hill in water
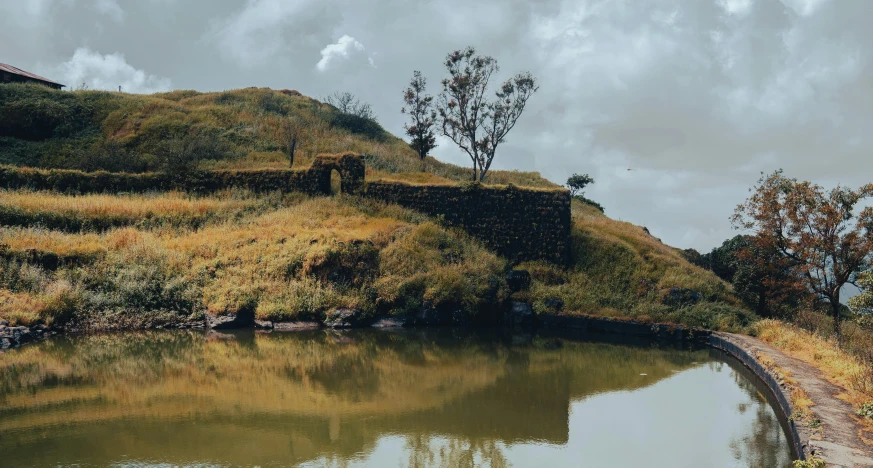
[{"x": 302, "y": 395}]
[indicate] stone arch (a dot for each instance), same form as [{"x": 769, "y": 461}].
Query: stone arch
[{"x": 350, "y": 167}]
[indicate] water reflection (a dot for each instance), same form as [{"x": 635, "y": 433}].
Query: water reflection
[{"x": 376, "y": 398}]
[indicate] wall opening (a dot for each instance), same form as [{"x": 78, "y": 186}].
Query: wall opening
[{"x": 335, "y": 182}]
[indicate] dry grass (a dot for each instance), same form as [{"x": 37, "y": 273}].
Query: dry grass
[
  {"x": 61, "y": 244},
  {"x": 619, "y": 270},
  {"x": 292, "y": 262},
  {"x": 800, "y": 401},
  {"x": 839, "y": 367},
  {"x": 119, "y": 206}
]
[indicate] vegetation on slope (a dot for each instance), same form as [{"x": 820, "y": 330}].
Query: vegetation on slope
[
  {"x": 122, "y": 260},
  {"x": 237, "y": 129}
]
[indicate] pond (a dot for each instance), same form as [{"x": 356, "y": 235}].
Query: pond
[{"x": 435, "y": 397}]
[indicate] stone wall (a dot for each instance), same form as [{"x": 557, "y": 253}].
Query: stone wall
[{"x": 520, "y": 224}]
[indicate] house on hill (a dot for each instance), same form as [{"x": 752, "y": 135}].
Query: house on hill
[{"x": 10, "y": 74}]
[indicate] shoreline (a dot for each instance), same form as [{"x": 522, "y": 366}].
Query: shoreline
[{"x": 834, "y": 447}]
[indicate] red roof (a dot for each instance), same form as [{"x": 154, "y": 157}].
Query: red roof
[{"x": 18, "y": 71}]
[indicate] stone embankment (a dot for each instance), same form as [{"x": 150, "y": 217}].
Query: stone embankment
[
  {"x": 12, "y": 337},
  {"x": 837, "y": 442}
]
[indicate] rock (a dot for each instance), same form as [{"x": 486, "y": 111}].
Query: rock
[
  {"x": 518, "y": 280},
  {"x": 5, "y": 343},
  {"x": 554, "y": 304},
  {"x": 264, "y": 324},
  {"x": 4, "y": 323},
  {"x": 389, "y": 322},
  {"x": 295, "y": 326},
  {"x": 228, "y": 321},
  {"x": 520, "y": 314},
  {"x": 344, "y": 318}
]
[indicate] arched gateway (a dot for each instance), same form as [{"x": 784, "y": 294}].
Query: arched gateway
[{"x": 350, "y": 168}]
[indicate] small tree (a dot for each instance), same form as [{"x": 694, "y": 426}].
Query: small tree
[
  {"x": 290, "y": 131},
  {"x": 576, "y": 184},
  {"x": 419, "y": 106},
  {"x": 816, "y": 230},
  {"x": 474, "y": 123}
]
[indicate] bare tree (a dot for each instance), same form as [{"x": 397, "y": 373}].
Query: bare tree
[
  {"x": 347, "y": 103},
  {"x": 474, "y": 123},
  {"x": 419, "y": 106},
  {"x": 290, "y": 132}
]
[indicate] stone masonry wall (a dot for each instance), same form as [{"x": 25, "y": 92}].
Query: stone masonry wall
[{"x": 520, "y": 224}]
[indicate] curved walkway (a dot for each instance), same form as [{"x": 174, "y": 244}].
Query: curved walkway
[{"x": 839, "y": 444}]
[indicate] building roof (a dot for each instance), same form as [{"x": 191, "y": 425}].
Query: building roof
[{"x": 18, "y": 71}]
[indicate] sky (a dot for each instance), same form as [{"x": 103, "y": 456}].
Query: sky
[{"x": 674, "y": 107}]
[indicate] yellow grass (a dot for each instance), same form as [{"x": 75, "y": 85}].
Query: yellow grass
[
  {"x": 837, "y": 366},
  {"x": 62, "y": 244},
  {"x": 20, "y": 308},
  {"x": 127, "y": 206}
]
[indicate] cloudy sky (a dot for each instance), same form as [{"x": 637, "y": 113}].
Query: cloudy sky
[{"x": 673, "y": 106}]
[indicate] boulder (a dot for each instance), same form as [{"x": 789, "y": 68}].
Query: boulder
[
  {"x": 5, "y": 343},
  {"x": 520, "y": 315},
  {"x": 344, "y": 318},
  {"x": 518, "y": 280},
  {"x": 263, "y": 324},
  {"x": 227, "y": 321},
  {"x": 4, "y": 323}
]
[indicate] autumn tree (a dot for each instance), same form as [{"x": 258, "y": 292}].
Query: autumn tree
[
  {"x": 475, "y": 123},
  {"x": 419, "y": 106},
  {"x": 764, "y": 279},
  {"x": 815, "y": 229}
]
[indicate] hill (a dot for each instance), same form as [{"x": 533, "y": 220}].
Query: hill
[{"x": 117, "y": 260}]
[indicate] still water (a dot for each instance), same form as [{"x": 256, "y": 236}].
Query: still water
[{"x": 376, "y": 398}]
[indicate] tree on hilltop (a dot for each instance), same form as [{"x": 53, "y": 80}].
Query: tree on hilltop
[
  {"x": 419, "y": 106},
  {"x": 347, "y": 103},
  {"x": 576, "y": 184},
  {"x": 814, "y": 229},
  {"x": 478, "y": 125}
]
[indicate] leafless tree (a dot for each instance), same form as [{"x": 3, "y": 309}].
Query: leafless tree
[
  {"x": 347, "y": 103},
  {"x": 290, "y": 133},
  {"x": 478, "y": 125}
]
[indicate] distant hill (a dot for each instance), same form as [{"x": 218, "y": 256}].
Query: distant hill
[{"x": 93, "y": 130}]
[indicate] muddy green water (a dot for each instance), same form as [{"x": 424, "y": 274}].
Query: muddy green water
[{"x": 375, "y": 398}]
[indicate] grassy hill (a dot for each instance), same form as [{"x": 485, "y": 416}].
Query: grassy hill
[{"x": 122, "y": 260}]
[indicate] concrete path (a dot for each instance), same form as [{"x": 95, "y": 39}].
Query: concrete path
[{"x": 839, "y": 445}]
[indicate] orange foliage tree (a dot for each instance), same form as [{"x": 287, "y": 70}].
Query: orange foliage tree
[{"x": 815, "y": 229}]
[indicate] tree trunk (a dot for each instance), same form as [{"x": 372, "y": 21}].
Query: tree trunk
[
  {"x": 291, "y": 155},
  {"x": 835, "y": 311},
  {"x": 762, "y": 303}
]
